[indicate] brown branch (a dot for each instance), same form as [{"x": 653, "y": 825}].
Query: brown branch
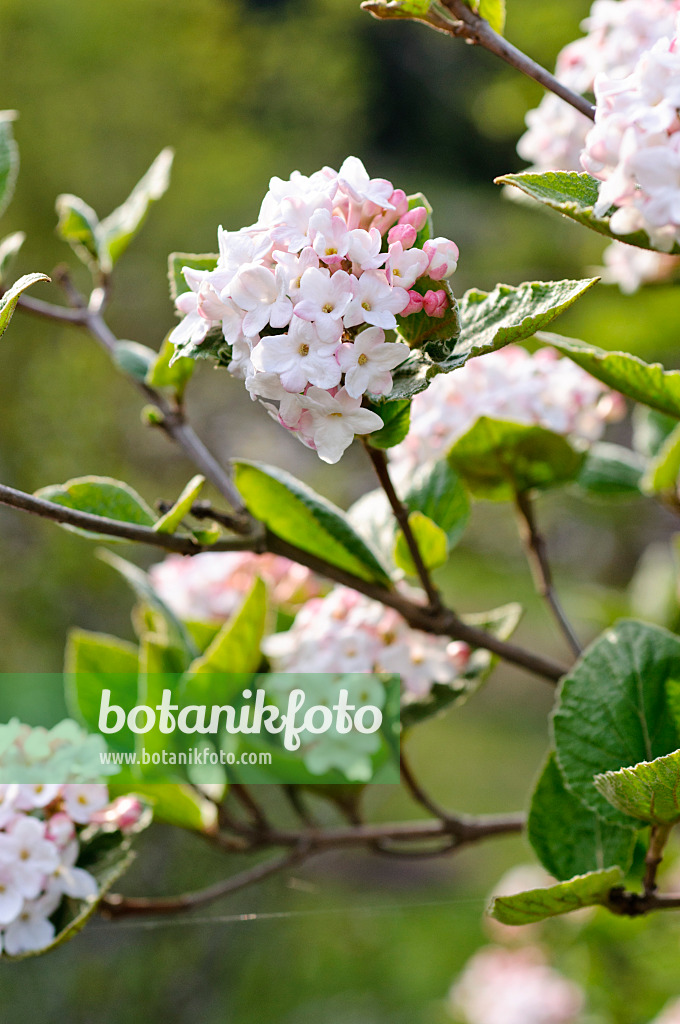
[
  {"x": 537, "y": 554},
  {"x": 658, "y": 837},
  {"x": 455, "y": 18}
]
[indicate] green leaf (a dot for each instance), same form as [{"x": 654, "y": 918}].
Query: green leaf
[
  {"x": 662, "y": 474},
  {"x": 498, "y": 459},
  {"x": 537, "y": 904},
  {"x": 610, "y": 470},
  {"x": 78, "y": 225},
  {"x": 95, "y": 662},
  {"x": 134, "y": 359},
  {"x": 8, "y": 302},
  {"x": 159, "y": 666},
  {"x": 396, "y": 417},
  {"x": 494, "y": 12},
  {"x": 178, "y": 260},
  {"x": 612, "y": 709},
  {"x": 435, "y": 335},
  {"x": 489, "y": 321},
  {"x": 574, "y": 195},
  {"x": 177, "y": 804},
  {"x": 176, "y": 376},
  {"x": 431, "y": 541},
  {"x": 118, "y": 229},
  {"x": 568, "y": 838},
  {"x": 9, "y": 248},
  {"x": 297, "y": 514},
  {"x": 649, "y": 791},
  {"x": 648, "y": 383},
  {"x": 650, "y": 430},
  {"x": 232, "y": 657},
  {"x": 502, "y": 622},
  {"x": 9, "y": 158},
  {"x": 100, "y": 496},
  {"x": 182, "y": 507},
  {"x": 436, "y": 490}
]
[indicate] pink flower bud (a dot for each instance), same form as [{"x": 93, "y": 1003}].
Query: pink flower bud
[
  {"x": 123, "y": 814},
  {"x": 417, "y": 217},
  {"x": 404, "y": 233},
  {"x": 435, "y": 303},
  {"x": 459, "y": 653},
  {"x": 415, "y": 303},
  {"x": 443, "y": 255},
  {"x": 60, "y": 829}
]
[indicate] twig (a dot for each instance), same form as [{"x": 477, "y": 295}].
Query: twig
[
  {"x": 658, "y": 838},
  {"x": 537, "y": 554},
  {"x": 417, "y": 791},
  {"x": 455, "y": 18},
  {"x": 401, "y": 514}
]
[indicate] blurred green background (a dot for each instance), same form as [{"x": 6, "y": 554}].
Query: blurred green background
[{"x": 243, "y": 91}]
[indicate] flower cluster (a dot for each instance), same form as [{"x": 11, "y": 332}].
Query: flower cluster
[
  {"x": 304, "y": 298},
  {"x": 210, "y": 587},
  {"x": 40, "y": 823},
  {"x": 670, "y": 1014},
  {"x": 503, "y": 986},
  {"x": 618, "y": 33},
  {"x": 346, "y": 632},
  {"x": 634, "y": 146},
  {"x": 510, "y": 384}
]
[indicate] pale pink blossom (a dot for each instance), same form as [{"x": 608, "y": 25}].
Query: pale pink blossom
[
  {"x": 367, "y": 362},
  {"x": 299, "y": 357},
  {"x": 375, "y": 301},
  {"x": 324, "y": 299},
  {"x": 443, "y": 256},
  {"x": 335, "y": 421},
  {"x": 404, "y": 267}
]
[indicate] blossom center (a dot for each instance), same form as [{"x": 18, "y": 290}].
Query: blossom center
[
  {"x": 366, "y": 305},
  {"x": 328, "y": 308},
  {"x": 303, "y": 349},
  {"x": 363, "y": 359}
]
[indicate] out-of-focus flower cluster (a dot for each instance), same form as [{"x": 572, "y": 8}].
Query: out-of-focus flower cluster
[
  {"x": 670, "y": 1014},
  {"x": 210, "y": 586},
  {"x": 634, "y": 146},
  {"x": 346, "y": 632},
  {"x": 40, "y": 823},
  {"x": 510, "y": 384},
  {"x": 514, "y": 986},
  {"x": 304, "y": 298},
  {"x": 619, "y": 32}
]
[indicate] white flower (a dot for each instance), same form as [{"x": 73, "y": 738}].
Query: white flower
[
  {"x": 11, "y": 896},
  {"x": 331, "y": 239},
  {"x": 324, "y": 298},
  {"x": 443, "y": 255},
  {"x": 298, "y": 357},
  {"x": 82, "y": 801},
  {"x": 375, "y": 301},
  {"x": 364, "y": 249},
  {"x": 404, "y": 267},
  {"x": 256, "y": 290},
  {"x": 71, "y": 880},
  {"x": 29, "y": 855},
  {"x": 32, "y": 930},
  {"x": 367, "y": 362},
  {"x": 354, "y": 180},
  {"x": 295, "y": 265},
  {"x": 335, "y": 421}
]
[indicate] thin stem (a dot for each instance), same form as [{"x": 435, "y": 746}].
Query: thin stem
[
  {"x": 401, "y": 514},
  {"x": 537, "y": 554},
  {"x": 416, "y": 790},
  {"x": 658, "y": 838},
  {"x": 455, "y": 18},
  {"x": 246, "y": 799}
]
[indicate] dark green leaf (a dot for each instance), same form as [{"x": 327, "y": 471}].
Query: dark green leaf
[
  {"x": 663, "y": 472},
  {"x": 537, "y": 904},
  {"x": 650, "y": 429},
  {"x": 77, "y": 225},
  {"x": 612, "y": 710},
  {"x": 163, "y": 375},
  {"x": 9, "y": 158},
  {"x": 134, "y": 359},
  {"x": 436, "y": 336},
  {"x": 437, "y": 491},
  {"x": 396, "y": 417},
  {"x": 100, "y": 496},
  {"x": 612, "y": 470},
  {"x": 96, "y": 662},
  {"x": 574, "y": 195}
]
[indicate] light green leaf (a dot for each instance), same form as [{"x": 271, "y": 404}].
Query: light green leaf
[
  {"x": 431, "y": 541},
  {"x": 648, "y": 383},
  {"x": 610, "y": 470},
  {"x": 95, "y": 662},
  {"x": 537, "y": 904},
  {"x": 574, "y": 195},
  {"x": 8, "y": 302},
  {"x": 649, "y": 791},
  {"x": 663, "y": 472},
  {"x": 159, "y": 668},
  {"x": 77, "y": 225},
  {"x": 502, "y": 622},
  {"x": 177, "y": 804},
  {"x": 437, "y": 491},
  {"x": 118, "y": 229},
  {"x": 182, "y": 507},
  {"x": 9, "y": 158},
  {"x": 134, "y": 359},
  {"x": 489, "y": 321},
  {"x": 612, "y": 709},
  {"x": 396, "y": 417},
  {"x": 494, "y": 12},
  {"x": 100, "y": 496},
  {"x": 175, "y": 376},
  {"x": 297, "y": 514},
  {"x": 498, "y": 459},
  {"x": 650, "y": 430},
  {"x": 568, "y": 838},
  {"x": 9, "y": 248},
  {"x": 178, "y": 260}
]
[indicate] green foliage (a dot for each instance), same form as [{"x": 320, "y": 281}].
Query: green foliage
[
  {"x": 9, "y": 249},
  {"x": 492, "y": 10},
  {"x": 662, "y": 474},
  {"x": 169, "y": 522},
  {"x": 587, "y": 890},
  {"x": 9, "y": 158},
  {"x": 134, "y": 359},
  {"x": 574, "y": 195},
  {"x": 167, "y": 372},
  {"x": 610, "y": 470},
  {"x": 431, "y": 540},
  {"x": 8, "y": 302},
  {"x": 648, "y": 383},
  {"x": 176, "y": 804},
  {"x": 95, "y": 662},
  {"x": 396, "y": 417},
  {"x": 567, "y": 837},
  {"x": 648, "y": 791},
  {"x": 612, "y": 710},
  {"x": 435, "y": 336},
  {"x": 297, "y": 514},
  {"x": 77, "y": 224},
  {"x": 489, "y": 321},
  {"x": 100, "y": 496},
  {"x": 178, "y": 260},
  {"x": 498, "y": 459}
]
